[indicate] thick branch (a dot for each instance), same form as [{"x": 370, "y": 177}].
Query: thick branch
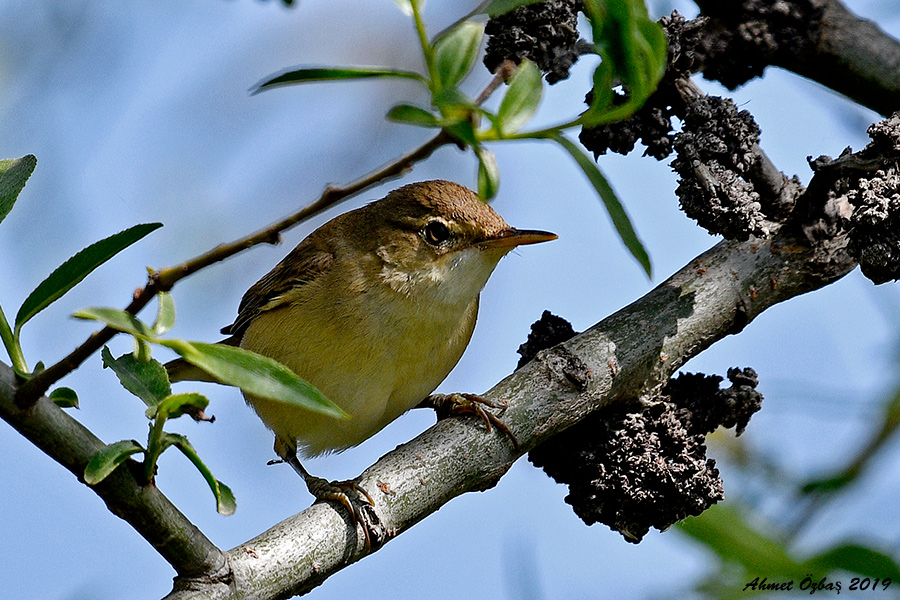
[
  {"x": 835, "y": 48},
  {"x": 628, "y": 355},
  {"x": 855, "y": 57},
  {"x": 144, "y": 507}
]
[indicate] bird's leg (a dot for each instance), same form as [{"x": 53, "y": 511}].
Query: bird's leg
[
  {"x": 470, "y": 404},
  {"x": 350, "y": 494}
]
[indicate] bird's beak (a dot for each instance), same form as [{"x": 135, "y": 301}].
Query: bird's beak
[{"x": 509, "y": 238}]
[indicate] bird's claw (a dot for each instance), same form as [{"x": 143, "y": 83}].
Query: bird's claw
[
  {"x": 471, "y": 404},
  {"x": 358, "y": 503},
  {"x": 348, "y": 493}
]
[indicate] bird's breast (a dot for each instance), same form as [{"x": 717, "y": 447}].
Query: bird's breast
[{"x": 376, "y": 354}]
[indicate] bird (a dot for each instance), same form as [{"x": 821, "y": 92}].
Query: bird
[{"x": 374, "y": 308}]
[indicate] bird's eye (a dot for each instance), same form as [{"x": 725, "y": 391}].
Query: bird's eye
[{"x": 436, "y": 233}]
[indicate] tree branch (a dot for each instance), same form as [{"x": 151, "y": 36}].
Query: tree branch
[
  {"x": 629, "y": 355},
  {"x": 854, "y": 57},
  {"x": 144, "y": 507},
  {"x": 827, "y": 44}
]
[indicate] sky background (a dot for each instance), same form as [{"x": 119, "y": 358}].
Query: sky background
[{"x": 140, "y": 112}]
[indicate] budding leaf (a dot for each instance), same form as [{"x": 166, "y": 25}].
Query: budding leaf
[
  {"x": 176, "y": 405},
  {"x": 522, "y": 98},
  {"x": 455, "y": 53},
  {"x": 64, "y": 397}
]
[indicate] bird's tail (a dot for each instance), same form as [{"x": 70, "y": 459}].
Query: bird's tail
[{"x": 181, "y": 370}]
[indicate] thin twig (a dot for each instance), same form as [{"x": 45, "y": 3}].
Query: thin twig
[
  {"x": 506, "y": 70},
  {"x": 163, "y": 280}
]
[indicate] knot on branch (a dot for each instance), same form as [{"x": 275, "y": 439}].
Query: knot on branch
[
  {"x": 709, "y": 406},
  {"x": 875, "y": 233},
  {"x": 546, "y": 332},
  {"x": 545, "y": 33},
  {"x": 717, "y": 151},
  {"x": 862, "y": 192},
  {"x": 636, "y": 470},
  {"x": 743, "y": 38},
  {"x": 726, "y": 183}
]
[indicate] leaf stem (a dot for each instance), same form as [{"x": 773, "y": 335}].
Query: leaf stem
[
  {"x": 427, "y": 49},
  {"x": 11, "y": 342},
  {"x": 154, "y": 447}
]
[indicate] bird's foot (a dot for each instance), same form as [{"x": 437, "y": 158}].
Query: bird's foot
[
  {"x": 358, "y": 503},
  {"x": 446, "y": 405},
  {"x": 349, "y": 494}
]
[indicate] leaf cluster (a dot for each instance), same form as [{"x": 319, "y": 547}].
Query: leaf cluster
[
  {"x": 632, "y": 49},
  {"x": 138, "y": 372}
]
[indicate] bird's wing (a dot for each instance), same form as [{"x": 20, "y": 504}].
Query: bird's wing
[{"x": 308, "y": 261}]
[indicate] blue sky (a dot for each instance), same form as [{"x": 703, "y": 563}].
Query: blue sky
[{"x": 140, "y": 112}]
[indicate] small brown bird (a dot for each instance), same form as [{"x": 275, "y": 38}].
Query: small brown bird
[{"x": 374, "y": 308}]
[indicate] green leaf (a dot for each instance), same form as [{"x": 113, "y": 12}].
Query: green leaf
[
  {"x": 146, "y": 380},
  {"x": 615, "y": 209},
  {"x": 655, "y": 51},
  {"x": 633, "y": 51},
  {"x": 488, "y": 173},
  {"x": 495, "y": 8},
  {"x": 176, "y": 405},
  {"x": 406, "y": 113},
  {"x": 856, "y": 559},
  {"x": 458, "y": 115},
  {"x": 522, "y": 98},
  {"x": 64, "y": 397},
  {"x": 310, "y": 74},
  {"x": 165, "y": 313},
  {"x": 225, "y": 502},
  {"x": 725, "y": 531},
  {"x": 255, "y": 374},
  {"x": 71, "y": 272},
  {"x": 117, "y": 319},
  {"x": 108, "y": 458},
  {"x": 462, "y": 130},
  {"x": 455, "y": 53},
  {"x": 14, "y": 172}
]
